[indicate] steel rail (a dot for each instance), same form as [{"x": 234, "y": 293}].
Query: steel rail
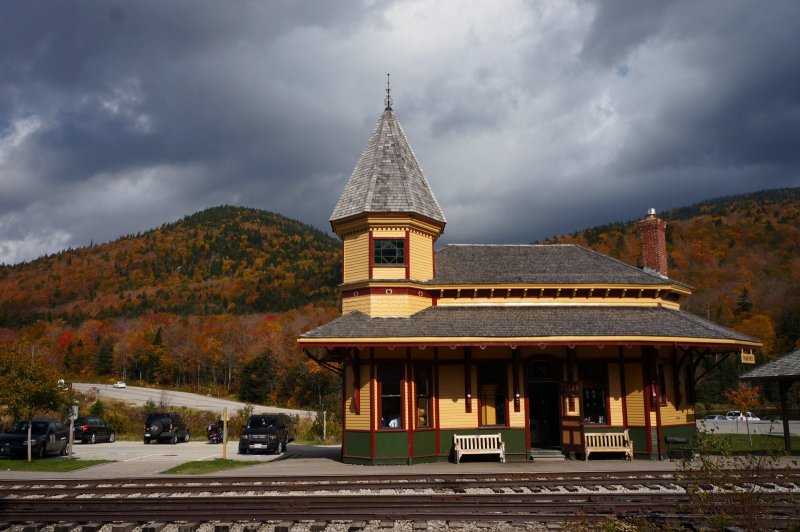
[
  {"x": 437, "y": 481},
  {"x": 529, "y": 507}
]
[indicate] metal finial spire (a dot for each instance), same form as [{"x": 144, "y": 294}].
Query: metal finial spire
[{"x": 388, "y": 101}]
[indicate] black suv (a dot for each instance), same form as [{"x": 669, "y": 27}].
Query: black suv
[
  {"x": 165, "y": 426},
  {"x": 267, "y": 432},
  {"x": 48, "y": 436},
  {"x": 92, "y": 429}
]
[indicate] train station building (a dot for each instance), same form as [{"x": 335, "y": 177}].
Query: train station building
[{"x": 544, "y": 345}]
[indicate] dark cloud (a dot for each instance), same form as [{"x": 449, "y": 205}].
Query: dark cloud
[{"x": 116, "y": 117}]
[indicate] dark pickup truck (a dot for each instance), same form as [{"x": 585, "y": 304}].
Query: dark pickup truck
[{"x": 267, "y": 432}]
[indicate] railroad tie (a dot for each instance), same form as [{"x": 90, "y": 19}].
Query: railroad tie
[
  {"x": 92, "y": 527},
  {"x": 249, "y": 527},
  {"x": 188, "y": 527},
  {"x": 222, "y": 527},
  {"x": 283, "y": 526},
  {"x": 355, "y": 526},
  {"x": 153, "y": 527},
  {"x": 318, "y": 526},
  {"x": 419, "y": 525},
  {"x": 64, "y": 527},
  {"x": 120, "y": 527},
  {"x": 33, "y": 527}
]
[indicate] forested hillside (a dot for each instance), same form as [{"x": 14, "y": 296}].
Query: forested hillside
[
  {"x": 221, "y": 260},
  {"x": 207, "y": 303},
  {"x": 742, "y": 256}
]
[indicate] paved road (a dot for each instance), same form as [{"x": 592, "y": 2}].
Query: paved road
[
  {"x": 139, "y": 396},
  {"x": 740, "y": 427}
]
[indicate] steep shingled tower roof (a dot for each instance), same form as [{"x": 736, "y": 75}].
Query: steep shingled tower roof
[{"x": 387, "y": 177}]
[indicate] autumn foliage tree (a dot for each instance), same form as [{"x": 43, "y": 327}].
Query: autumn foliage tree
[
  {"x": 27, "y": 386},
  {"x": 744, "y": 398}
]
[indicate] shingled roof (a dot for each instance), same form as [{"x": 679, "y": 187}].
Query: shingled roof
[
  {"x": 535, "y": 264},
  {"x": 388, "y": 177},
  {"x": 786, "y": 367},
  {"x": 535, "y": 321}
]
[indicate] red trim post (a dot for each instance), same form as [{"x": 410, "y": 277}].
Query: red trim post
[
  {"x": 659, "y": 430},
  {"x": 371, "y": 252},
  {"x": 409, "y": 388},
  {"x": 433, "y": 254},
  {"x": 373, "y": 412},
  {"x": 435, "y": 406},
  {"x": 344, "y": 415},
  {"x": 356, "y": 380},
  {"x": 622, "y": 389},
  {"x": 515, "y": 377},
  {"x": 407, "y": 255},
  {"x": 526, "y": 388}
]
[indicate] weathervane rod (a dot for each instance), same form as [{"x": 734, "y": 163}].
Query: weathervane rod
[{"x": 388, "y": 101}]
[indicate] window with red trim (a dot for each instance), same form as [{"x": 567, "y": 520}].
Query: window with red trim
[
  {"x": 389, "y": 252},
  {"x": 422, "y": 391},
  {"x": 492, "y": 391},
  {"x": 390, "y": 380},
  {"x": 594, "y": 377}
]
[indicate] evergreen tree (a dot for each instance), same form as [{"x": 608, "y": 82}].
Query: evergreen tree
[
  {"x": 104, "y": 360},
  {"x": 744, "y": 303},
  {"x": 256, "y": 379}
]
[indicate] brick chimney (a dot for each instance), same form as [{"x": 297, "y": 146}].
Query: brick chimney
[{"x": 652, "y": 231}]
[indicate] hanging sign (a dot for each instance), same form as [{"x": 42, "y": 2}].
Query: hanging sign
[{"x": 748, "y": 357}]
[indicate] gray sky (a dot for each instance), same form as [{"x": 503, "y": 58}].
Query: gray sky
[{"x": 529, "y": 118}]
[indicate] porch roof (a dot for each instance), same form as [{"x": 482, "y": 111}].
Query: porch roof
[
  {"x": 529, "y": 324},
  {"x": 786, "y": 367}
]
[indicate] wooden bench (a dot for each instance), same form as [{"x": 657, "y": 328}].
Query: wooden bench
[
  {"x": 678, "y": 448},
  {"x": 479, "y": 444},
  {"x": 608, "y": 442}
]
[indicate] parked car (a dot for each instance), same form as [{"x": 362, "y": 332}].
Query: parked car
[
  {"x": 267, "y": 432},
  {"x": 733, "y": 415},
  {"x": 716, "y": 417},
  {"x": 165, "y": 426},
  {"x": 48, "y": 436},
  {"x": 92, "y": 429},
  {"x": 120, "y": 384}
]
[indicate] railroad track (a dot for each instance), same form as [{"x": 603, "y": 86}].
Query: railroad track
[{"x": 513, "y": 497}]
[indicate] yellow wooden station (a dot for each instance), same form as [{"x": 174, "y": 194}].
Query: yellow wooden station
[{"x": 558, "y": 350}]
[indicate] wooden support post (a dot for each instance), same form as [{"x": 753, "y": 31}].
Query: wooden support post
[
  {"x": 225, "y": 433},
  {"x": 783, "y": 387}
]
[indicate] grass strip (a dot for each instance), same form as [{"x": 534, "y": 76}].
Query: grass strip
[
  {"x": 58, "y": 465},
  {"x": 739, "y": 443},
  {"x": 201, "y": 467}
]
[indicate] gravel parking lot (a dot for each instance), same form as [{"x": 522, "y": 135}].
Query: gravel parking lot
[
  {"x": 135, "y": 459},
  {"x": 136, "y": 451}
]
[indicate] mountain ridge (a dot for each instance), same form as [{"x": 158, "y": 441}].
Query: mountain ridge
[{"x": 221, "y": 259}]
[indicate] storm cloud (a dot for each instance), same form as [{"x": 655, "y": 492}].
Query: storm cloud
[{"x": 529, "y": 118}]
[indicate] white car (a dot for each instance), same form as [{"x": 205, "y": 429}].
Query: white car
[
  {"x": 733, "y": 415},
  {"x": 120, "y": 384}
]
